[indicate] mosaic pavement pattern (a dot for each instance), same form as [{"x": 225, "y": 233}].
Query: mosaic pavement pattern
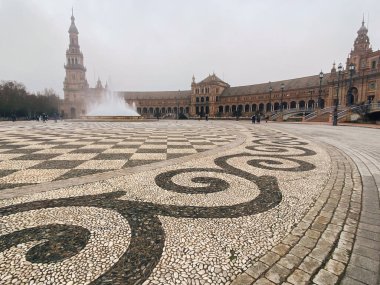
[
  {"x": 244, "y": 213},
  {"x": 33, "y": 152}
]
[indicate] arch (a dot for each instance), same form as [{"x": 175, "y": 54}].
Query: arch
[
  {"x": 269, "y": 107},
  {"x": 276, "y": 106},
  {"x": 157, "y": 111},
  {"x": 261, "y": 107},
  {"x": 197, "y": 99},
  {"x": 151, "y": 110},
  {"x": 322, "y": 103},
  {"x": 175, "y": 110},
  {"x": 202, "y": 99},
  {"x": 197, "y": 110},
  {"x": 169, "y": 110},
  {"x": 207, "y": 98},
  {"x": 240, "y": 108},
  {"x": 284, "y": 105},
  {"x": 311, "y": 104},
  {"x": 181, "y": 110},
  {"x": 301, "y": 104},
  {"x": 254, "y": 107},
  {"x": 139, "y": 110},
  {"x": 202, "y": 110},
  {"x": 352, "y": 96},
  {"x": 220, "y": 109},
  {"x": 163, "y": 110},
  {"x": 233, "y": 109},
  {"x": 293, "y": 105},
  {"x": 246, "y": 108},
  {"x": 145, "y": 110},
  {"x": 207, "y": 110},
  {"x": 226, "y": 109},
  {"x": 187, "y": 110}
]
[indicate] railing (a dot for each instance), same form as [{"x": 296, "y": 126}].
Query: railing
[
  {"x": 318, "y": 113},
  {"x": 288, "y": 111}
]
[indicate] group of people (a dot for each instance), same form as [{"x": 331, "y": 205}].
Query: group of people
[{"x": 256, "y": 119}]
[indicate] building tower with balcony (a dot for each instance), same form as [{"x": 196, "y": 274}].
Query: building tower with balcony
[{"x": 75, "y": 85}]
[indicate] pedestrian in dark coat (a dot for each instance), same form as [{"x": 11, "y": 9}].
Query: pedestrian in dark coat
[{"x": 253, "y": 119}]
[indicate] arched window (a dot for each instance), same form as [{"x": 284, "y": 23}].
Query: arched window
[
  {"x": 301, "y": 104},
  {"x": 246, "y": 108},
  {"x": 220, "y": 109},
  {"x": 254, "y": 107},
  {"x": 202, "y": 99},
  {"x": 293, "y": 105},
  {"x": 207, "y": 99},
  {"x": 197, "y": 99}
]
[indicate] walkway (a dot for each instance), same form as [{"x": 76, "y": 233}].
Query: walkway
[{"x": 239, "y": 204}]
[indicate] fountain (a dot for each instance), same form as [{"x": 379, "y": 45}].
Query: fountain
[{"x": 111, "y": 107}]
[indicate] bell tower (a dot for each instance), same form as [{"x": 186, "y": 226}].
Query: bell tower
[
  {"x": 75, "y": 84},
  {"x": 362, "y": 48}
]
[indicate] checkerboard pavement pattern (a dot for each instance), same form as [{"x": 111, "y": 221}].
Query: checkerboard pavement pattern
[{"x": 35, "y": 153}]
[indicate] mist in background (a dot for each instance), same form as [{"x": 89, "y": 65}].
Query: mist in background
[{"x": 159, "y": 45}]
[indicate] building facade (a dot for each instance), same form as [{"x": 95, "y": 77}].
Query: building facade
[{"x": 355, "y": 83}]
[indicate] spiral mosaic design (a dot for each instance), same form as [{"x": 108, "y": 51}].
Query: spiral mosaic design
[{"x": 122, "y": 237}]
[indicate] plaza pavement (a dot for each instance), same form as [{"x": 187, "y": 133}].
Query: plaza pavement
[{"x": 206, "y": 203}]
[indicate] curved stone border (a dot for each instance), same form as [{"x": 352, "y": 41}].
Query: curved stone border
[
  {"x": 319, "y": 247},
  {"x": 53, "y": 185}
]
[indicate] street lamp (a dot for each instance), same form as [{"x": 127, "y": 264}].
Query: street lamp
[
  {"x": 282, "y": 95},
  {"x": 179, "y": 91},
  {"x": 350, "y": 100},
  {"x": 320, "y": 90},
  {"x": 311, "y": 99},
  {"x": 335, "y": 120},
  {"x": 270, "y": 96}
]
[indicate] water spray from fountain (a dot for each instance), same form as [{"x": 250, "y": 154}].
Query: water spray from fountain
[{"x": 111, "y": 104}]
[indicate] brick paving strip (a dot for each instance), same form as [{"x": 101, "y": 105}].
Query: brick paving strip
[
  {"x": 318, "y": 248},
  {"x": 361, "y": 145}
]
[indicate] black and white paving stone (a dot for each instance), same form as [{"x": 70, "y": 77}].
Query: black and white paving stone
[{"x": 203, "y": 220}]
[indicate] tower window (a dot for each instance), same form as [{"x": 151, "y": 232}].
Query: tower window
[
  {"x": 373, "y": 65},
  {"x": 76, "y": 60}
]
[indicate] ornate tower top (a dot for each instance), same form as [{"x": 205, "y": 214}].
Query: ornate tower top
[
  {"x": 73, "y": 29},
  {"x": 362, "y": 40}
]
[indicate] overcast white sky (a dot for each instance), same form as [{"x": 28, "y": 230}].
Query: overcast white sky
[{"x": 145, "y": 45}]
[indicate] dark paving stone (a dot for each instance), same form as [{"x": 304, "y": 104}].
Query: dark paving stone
[
  {"x": 80, "y": 172},
  {"x": 37, "y": 156},
  {"x": 88, "y": 150},
  {"x": 180, "y": 146},
  {"x": 176, "y": 155},
  {"x": 126, "y": 146},
  {"x": 65, "y": 146},
  {"x": 58, "y": 164},
  {"x": 13, "y": 185},
  {"x": 112, "y": 156},
  {"x": 21, "y": 151},
  {"x": 5, "y": 172},
  {"x": 150, "y": 150},
  {"x": 133, "y": 163}
]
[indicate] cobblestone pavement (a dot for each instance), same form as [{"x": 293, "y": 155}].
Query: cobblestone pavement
[
  {"x": 34, "y": 152},
  {"x": 261, "y": 207}
]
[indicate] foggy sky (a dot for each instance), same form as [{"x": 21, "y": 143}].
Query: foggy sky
[{"x": 141, "y": 45}]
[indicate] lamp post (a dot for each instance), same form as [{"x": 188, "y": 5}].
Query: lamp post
[
  {"x": 320, "y": 90},
  {"x": 270, "y": 96},
  {"x": 282, "y": 95},
  {"x": 311, "y": 99},
  {"x": 349, "y": 98},
  {"x": 335, "y": 120},
  {"x": 179, "y": 91}
]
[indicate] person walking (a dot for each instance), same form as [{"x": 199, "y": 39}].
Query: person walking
[
  {"x": 258, "y": 119},
  {"x": 253, "y": 119}
]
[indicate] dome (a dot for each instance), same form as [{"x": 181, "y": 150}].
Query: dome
[{"x": 363, "y": 29}]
